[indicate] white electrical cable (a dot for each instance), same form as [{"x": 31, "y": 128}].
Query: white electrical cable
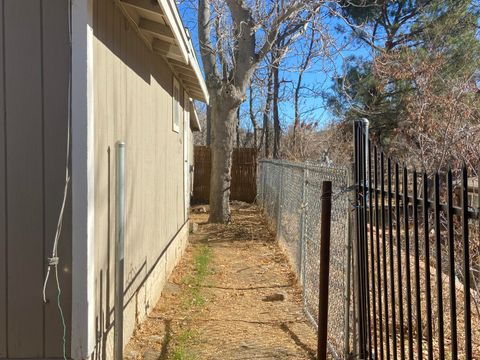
[{"x": 54, "y": 260}]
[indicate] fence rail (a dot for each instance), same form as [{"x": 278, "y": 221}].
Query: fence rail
[
  {"x": 290, "y": 194},
  {"x": 415, "y": 272}
]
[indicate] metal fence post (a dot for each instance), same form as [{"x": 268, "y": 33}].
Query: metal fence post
[
  {"x": 303, "y": 221},
  {"x": 264, "y": 183},
  {"x": 361, "y": 248},
  {"x": 262, "y": 170},
  {"x": 364, "y": 246},
  {"x": 119, "y": 251},
  {"x": 260, "y": 189},
  {"x": 326, "y": 219},
  {"x": 267, "y": 176},
  {"x": 349, "y": 235},
  {"x": 280, "y": 202},
  {"x": 354, "y": 295},
  {"x": 355, "y": 262}
]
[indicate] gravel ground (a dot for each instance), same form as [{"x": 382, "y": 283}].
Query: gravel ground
[{"x": 248, "y": 306}]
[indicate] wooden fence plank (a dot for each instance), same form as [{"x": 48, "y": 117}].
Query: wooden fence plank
[{"x": 244, "y": 172}]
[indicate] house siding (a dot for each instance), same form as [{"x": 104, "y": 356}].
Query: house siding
[
  {"x": 133, "y": 104},
  {"x": 34, "y": 83}
]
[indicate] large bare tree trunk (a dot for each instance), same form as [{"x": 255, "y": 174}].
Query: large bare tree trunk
[
  {"x": 238, "y": 127},
  {"x": 209, "y": 126},
  {"x": 224, "y": 118},
  {"x": 227, "y": 85}
]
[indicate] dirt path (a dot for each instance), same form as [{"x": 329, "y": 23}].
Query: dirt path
[{"x": 233, "y": 296}]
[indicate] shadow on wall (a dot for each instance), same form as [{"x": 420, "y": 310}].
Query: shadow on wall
[
  {"x": 126, "y": 65},
  {"x": 116, "y": 33},
  {"x": 104, "y": 321}
]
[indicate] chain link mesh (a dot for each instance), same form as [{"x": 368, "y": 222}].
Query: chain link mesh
[{"x": 290, "y": 194}]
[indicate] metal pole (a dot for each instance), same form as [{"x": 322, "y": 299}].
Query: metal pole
[
  {"x": 366, "y": 125},
  {"x": 348, "y": 265},
  {"x": 303, "y": 221},
  {"x": 324, "y": 269},
  {"x": 358, "y": 335},
  {"x": 119, "y": 250},
  {"x": 262, "y": 174},
  {"x": 280, "y": 203},
  {"x": 361, "y": 146}
]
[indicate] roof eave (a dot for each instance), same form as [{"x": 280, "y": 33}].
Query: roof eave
[
  {"x": 170, "y": 10},
  {"x": 194, "y": 120}
]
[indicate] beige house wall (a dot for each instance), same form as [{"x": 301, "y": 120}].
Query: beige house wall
[{"x": 133, "y": 103}]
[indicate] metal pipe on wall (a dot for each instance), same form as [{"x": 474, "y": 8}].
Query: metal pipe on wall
[{"x": 119, "y": 250}]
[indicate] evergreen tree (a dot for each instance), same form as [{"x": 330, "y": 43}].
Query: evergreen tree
[{"x": 395, "y": 31}]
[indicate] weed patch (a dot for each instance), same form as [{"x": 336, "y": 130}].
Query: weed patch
[
  {"x": 194, "y": 298},
  {"x": 194, "y": 282},
  {"x": 181, "y": 350}
]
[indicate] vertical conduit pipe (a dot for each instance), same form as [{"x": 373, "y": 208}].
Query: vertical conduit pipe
[{"x": 119, "y": 250}]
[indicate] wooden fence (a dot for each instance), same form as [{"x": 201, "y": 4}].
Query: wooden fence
[{"x": 244, "y": 172}]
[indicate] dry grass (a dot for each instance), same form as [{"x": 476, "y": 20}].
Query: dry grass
[{"x": 231, "y": 320}]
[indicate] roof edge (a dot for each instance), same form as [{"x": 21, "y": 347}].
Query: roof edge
[
  {"x": 194, "y": 120},
  {"x": 170, "y": 10}
]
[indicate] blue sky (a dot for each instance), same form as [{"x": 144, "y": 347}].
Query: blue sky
[{"x": 319, "y": 75}]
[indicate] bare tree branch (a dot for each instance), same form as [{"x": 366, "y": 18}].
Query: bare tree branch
[{"x": 206, "y": 47}]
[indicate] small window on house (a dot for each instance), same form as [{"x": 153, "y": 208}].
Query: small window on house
[{"x": 176, "y": 106}]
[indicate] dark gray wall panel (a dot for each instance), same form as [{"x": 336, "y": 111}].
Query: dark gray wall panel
[
  {"x": 23, "y": 81},
  {"x": 3, "y": 239},
  {"x": 34, "y": 83},
  {"x": 55, "y": 109}
]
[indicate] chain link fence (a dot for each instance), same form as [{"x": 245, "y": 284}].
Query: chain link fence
[{"x": 290, "y": 194}]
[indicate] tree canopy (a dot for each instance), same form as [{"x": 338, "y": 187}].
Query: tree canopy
[{"x": 407, "y": 39}]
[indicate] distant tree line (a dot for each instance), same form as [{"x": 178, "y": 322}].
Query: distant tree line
[{"x": 409, "y": 66}]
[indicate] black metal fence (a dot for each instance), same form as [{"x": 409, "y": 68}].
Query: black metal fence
[{"x": 416, "y": 277}]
